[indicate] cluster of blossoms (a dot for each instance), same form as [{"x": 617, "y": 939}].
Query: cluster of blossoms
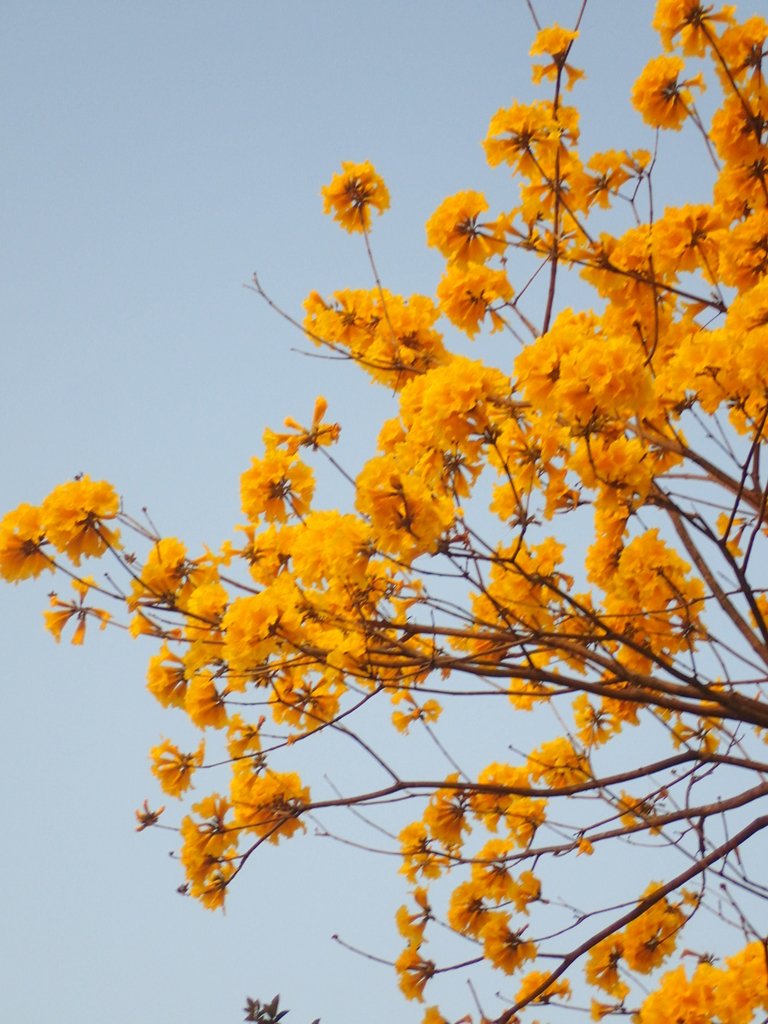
[{"x": 650, "y": 619}]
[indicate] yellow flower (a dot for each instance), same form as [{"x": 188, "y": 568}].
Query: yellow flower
[
  {"x": 652, "y": 937},
  {"x": 212, "y": 836},
  {"x": 73, "y": 517},
  {"x": 203, "y": 703},
  {"x": 559, "y": 764},
  {"x": 743, "y": 983},
  {"x": 164, "y": 576},
  {"x": 390, "y": 337},
  {"x": 610, "y": 170},
  {"x": 213, "y": 892},
  {"x": 524, "y": 135},
  {"x": 165, "y": 678},
  {"x": 407, "y": 517},
  {"x": 351, "y": 195},
  {"x": 257, "y": 626},
  {"x": 742, "y": 48},
  {"x": 556, "y": 42},
  {"x": 490, "y": 807},
  {"x": 411, "y": 926},
  {"x": 468, "y": 912},
  {"x": 318, "y": 435},
  {"x": 602, "y": 968},
  {"x": 267, "y": 803},
  {"x": 330, "y": 547},
  {"x": 595, "y": 725},
  {"x": 62, "y": 611},
  {"x": 599, "y": 1010},
  {"x": 490, "y": 870},
  {"x": 446, "y": 816},
  {"x": 59, "y": 616},
  {"x": 418, "y": 854},
  {"x": 691, "y": 20},
  {"x": 558, "y": 989},
  {"x": 209, "y": 851},
  {"x": 243, "y": 737},
  {"x": 527, "y": 889},
  {"x": 173, "y": 769},
  {"x": 744, "y": 252},
  {"x": 466, "y": 295},
  {"x": 433, "y": 1016},
  {"x": 413, "y": 973},
  {"x": 454, "y": 229},
  {"x": 304, "y": 703},
  {"x": 276, "y": 486},
  {"x": 660, "y": 96},
  {"x": 21, "y": 544},
  {"x": 427, "y": 712},
  {"x": 506, "y": 949}
]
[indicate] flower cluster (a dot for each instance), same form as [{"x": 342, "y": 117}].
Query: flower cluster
[{"x": 446, "y": 600}]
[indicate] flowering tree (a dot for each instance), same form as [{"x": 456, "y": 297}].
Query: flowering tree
[{"x": 568, "y": 553}]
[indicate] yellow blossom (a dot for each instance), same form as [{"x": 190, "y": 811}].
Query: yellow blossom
[
  {"x": 558, "y": 989},
  {"x": 446, "y": 815},
  {"x": 243, "y": 737},
  {"x": 203, "y": 702},
  {"x": 413, "y": 973},
  {"x": 165, "y": 678},
  {"x": 468, "y": 910},
  {"x": 412, "y": 925},
  {"x": 317, "y": 435},
  {"x": 174, "y": 769},
  {"x": 61, "y": 612},
  {"x": 661, "y": 97},
  {"x": 267, "y": 803},
  {"x": 433, "y": 1016},
  {"x": 559, "y": 764},
  {"x": 504, "y": 948},
  {"x": 419, "y": 854},
  {"x": 454, "y": 228},
  {"x": 528, "y": 136},
  {"x": 74, "y": 515},
  {"x": 21, "y": 544},
  {"x": 467, "y": 295},
  {"x": 555, "y": 42},
  {"x": 351, "y": 194},
  {"x": 692, "y": 21},
  {"x": 602, "y": 968},
  {"x": 276, "y": 486}
]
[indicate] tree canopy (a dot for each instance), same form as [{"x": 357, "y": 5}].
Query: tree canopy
[{"x": 535, "y": 619}]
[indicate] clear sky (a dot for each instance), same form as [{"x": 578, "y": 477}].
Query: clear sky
[{"x": 156, "y": 154}]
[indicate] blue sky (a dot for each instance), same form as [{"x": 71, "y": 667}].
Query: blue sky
[{"x": 157, "y": 154}]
